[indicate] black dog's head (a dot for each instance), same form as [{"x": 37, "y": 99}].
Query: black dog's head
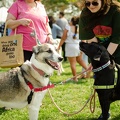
[{"x": 95, "y": 51}]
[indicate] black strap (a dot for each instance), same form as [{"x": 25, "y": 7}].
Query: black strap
[{"x": 30, "y": 97}]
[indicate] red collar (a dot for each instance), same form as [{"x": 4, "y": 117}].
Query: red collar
[
  {"x": 39, "y": 89},
  {"x": 40, "y": 71}
]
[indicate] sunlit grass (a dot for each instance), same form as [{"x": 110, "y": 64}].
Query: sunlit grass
[{"x": 70, "y": 97}]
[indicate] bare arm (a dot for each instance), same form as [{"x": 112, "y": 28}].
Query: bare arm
[
  {"x": 112, "y": 47},
  {"x": 94, "y": 39},
  {"x": 64, "y": 37},
  {"x": 49, "y": 36},
  {"x": 48, "y": 29},
  {"x": 12, "y": 23}
]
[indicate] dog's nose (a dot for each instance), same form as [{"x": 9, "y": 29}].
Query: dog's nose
[{"x": 60, "y": 58}]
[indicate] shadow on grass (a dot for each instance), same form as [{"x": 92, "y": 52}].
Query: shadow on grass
[
  {"x": 67, "y": 73},
  {"x": 81, "y": 81},
  {"x": 2, "y": 110},
  {"x": 82, "y": 119},
  {"x": 116, "y": 118}
]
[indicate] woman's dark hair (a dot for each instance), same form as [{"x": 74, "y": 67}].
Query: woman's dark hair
[{"x": 75, "y": 21}]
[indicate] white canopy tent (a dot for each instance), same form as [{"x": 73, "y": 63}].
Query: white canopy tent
[
  {"x": 3, "y": 14},
  {"x": 6, "y": 3}
]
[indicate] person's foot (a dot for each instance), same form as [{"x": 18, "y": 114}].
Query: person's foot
[
  {"x": 83, "y": 76},
  {"x": 88, "y": 75},
  {"x": 75, "y": 79},
  {"x": 6, "y": 108}
]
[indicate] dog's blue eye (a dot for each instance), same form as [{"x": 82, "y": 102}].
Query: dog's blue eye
[{"x": 49, "y": 51}]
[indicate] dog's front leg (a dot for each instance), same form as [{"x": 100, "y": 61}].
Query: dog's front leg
[
  {"x": 35, "y": 104},
  {"x": 33, "y": 112},
  {"x": 105, "y": 103}
]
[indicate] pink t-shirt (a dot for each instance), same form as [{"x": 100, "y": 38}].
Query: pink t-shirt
[{"x": 19, "y": 10}]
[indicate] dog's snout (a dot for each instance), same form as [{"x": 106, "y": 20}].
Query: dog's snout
[{"x": 60, "y": 58}]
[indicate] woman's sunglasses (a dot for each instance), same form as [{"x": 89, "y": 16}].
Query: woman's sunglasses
[{"x": 94, "y": 3}]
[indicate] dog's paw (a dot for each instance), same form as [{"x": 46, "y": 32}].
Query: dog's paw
[
  {"x": 101, "y": 117},
  {"x": 6, "y": 108}
]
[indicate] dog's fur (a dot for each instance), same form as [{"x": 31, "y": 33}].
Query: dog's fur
[
  {"x": 100, "y": 56},
  {"x": 14, "y": 90}
]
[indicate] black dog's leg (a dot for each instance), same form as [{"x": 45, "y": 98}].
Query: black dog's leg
[{"x": 105, "y": 104}]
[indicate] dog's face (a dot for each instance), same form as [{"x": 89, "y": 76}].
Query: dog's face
[
  {"x": 46, "y": 53},
  {"x": 95, "y": 51}
]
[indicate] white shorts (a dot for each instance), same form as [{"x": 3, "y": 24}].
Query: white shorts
[{"x": 72, "y": 50}]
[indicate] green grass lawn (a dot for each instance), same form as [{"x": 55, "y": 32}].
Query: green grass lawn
[{"x": 70, "y": 97}]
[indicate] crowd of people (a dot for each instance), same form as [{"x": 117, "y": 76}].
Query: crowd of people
[
  {"x": 68, "y": 31},
  {"x": 71, "y": 39},
  {"x": 98, "y": 22},
  {"x": 26, "y": 17},
  {"x": 62, "y": 22}
]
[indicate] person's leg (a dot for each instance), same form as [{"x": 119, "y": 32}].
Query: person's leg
[
  {"x": 83, "y": 65},
  {"x": 85, "y": 59},
  {"x": 63, "y": 49},
  {"x": 27, "y": 55},
  {"x": 81, "y": 61},
  {"x": 72, "y": 61}
]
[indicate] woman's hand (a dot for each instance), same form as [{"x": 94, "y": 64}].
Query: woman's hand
[
  {"x": 25, "y": 22},
  {"x": 49, "y": 39},
  {"x": 58, "y": 48},
  {"x": 90, "y": 67}
]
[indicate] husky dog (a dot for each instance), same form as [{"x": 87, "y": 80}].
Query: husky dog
[{"x": 26, "y": 85}]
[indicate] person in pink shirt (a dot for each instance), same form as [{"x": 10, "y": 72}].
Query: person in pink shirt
[{"x": 28, "y": 16}]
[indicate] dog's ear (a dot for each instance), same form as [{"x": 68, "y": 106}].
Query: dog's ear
[
  {"x": 36, "y": 49},
  {"x": 98, "y": 56}
]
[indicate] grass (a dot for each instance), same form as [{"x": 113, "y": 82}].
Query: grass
[{"x": 69, "y": 97}]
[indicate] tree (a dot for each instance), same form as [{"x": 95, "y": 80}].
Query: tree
[
  {"x": 6, "y": 3},
  {"x": 53, "y": 6}
]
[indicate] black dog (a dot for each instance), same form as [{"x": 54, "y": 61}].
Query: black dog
[{"x": 106, "y": 85}]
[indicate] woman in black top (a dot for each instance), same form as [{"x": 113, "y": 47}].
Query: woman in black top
[{"x": 100, "y": 22}]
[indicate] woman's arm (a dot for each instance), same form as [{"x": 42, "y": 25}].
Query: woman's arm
[
  {"x": 94, "y": 39},
  {"x": 64, "y": 37},
  {"x": 112, "y": 47},
  {"x": 58, "y": 28},
  {"x": 49, "y": 35},
  {"x": 12, "y": 23}
]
